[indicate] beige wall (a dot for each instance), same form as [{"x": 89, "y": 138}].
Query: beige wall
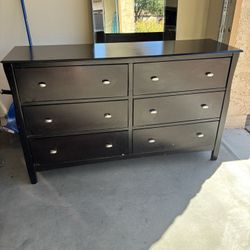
[
  {"x": 192, "y": 19},
  {"x": 51, "y": 22},
  {"x": 11, "y": 33},
  {"x": 239, "y": 106},
  {"x": 198, "y": 19},
  {"x": 214, "y": 19}
]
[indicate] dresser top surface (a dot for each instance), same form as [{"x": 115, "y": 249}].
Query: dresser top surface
[{"x": 116, "y": 50}]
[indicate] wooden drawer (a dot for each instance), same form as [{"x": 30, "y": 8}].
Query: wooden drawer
[
  {"x": 190, "y": 137},
  {"x": 79, "y": 148},
  {"x": 177, "y": 108},
  {"x": 77, "y": 117},
  {"x": 176, "y": 76},
  {"x": 61, "y": 83}
]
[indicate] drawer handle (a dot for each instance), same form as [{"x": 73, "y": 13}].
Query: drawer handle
[
  {"x": 48, "y": 120},
  {"x": 109, "y": 145},
  {"x": 106, "y": 82},
  {"x": 210, "y": 74},
  {"x": 200, "y": 135},
  {"x": 42, "y": 84},
  {"x": 53, "y": 151},
  {"x": 107, "y": 116},
  {"x": 151, "y": 140},
  {"x": 153, "y": 111},
  {"x": 155, "y": 79},
  {"x": 204, "y": 106}
]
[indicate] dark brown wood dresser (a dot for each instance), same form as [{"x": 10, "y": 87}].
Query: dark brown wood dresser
[{"x": 83, "y": 103}]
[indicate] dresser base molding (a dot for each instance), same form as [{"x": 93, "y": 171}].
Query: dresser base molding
[
  {"x": 101, "y": 161},
  {"x": 81, "y": 104}
]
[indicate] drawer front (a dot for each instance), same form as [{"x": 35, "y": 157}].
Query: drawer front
[
  {"x": 180, "y": 75},
  {"x": 61, "y": 83},
  {"x": 184, "y": 137},
  {"x": 177, "y": 108},
  {"x": 51, "y": 119},
  {"x": 79, "y": 148}
]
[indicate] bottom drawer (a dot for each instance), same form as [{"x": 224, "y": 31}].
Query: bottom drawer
[
  {"x": 200, "y": 136},
  {"x": 79, "y": 147}
]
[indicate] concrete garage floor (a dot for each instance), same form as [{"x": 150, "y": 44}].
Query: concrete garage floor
[{"x": 170, "y": 202}]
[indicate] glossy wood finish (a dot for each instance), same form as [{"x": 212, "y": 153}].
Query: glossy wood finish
[
  {"x": 78, "y": 117},
  {"x": 80, "y": 147},
  {"x": 106, "y": 51},
  {"x": 62, "y": 83},
  {"x": 183, "y": 137},
  {"x": 180, "y": 75},
  {"x": 61, "y": 107},
  {"x": 158, "y": 110}
]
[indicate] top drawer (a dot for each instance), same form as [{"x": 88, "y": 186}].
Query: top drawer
[
  {"x": 175, "y": 76},
  {"x": 76, "y": 82}
]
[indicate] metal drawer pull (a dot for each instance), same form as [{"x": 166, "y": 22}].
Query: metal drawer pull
[
  {"x": 155, "y": 79},
  {"x": 106, "y": 82},
  {"x": 109, "y": 145},
  {"x": 209, "y": 74},
  {"x": 107, "y": 116},
  {"x": 151, "y": 140},
  {"x": 48, "y": 120},
  {"x": 200, "y": 135},
  {"x": 53, "y": 151},
  {"x": 153, "y": 111},
  {"x": 204, "y": 106},
  {"x": 42, "y": 84}
]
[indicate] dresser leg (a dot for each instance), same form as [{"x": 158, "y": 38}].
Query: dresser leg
[
  {"x": 32, "y": 175},
  {"x": 214, "y": 156}
]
